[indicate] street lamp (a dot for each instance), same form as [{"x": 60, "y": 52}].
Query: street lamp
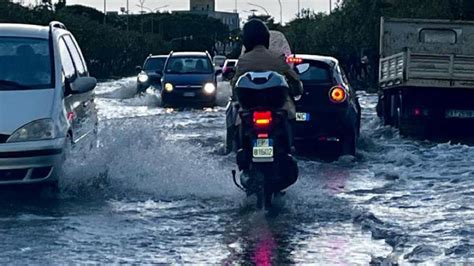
[
  {"x": 299, "y": 9},
  {"x": 281, "y": 12},
  {"x": 253, "y": 11},
  {"x": 152, "y": 11},
  {"x": 259, "y": 6},
  {"x": 105, "y": 12}
]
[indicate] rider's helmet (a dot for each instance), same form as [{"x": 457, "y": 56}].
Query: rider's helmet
[{"x": 255, "y": 33}]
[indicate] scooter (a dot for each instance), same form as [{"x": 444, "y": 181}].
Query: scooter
[{"x": 264, "y": 138}]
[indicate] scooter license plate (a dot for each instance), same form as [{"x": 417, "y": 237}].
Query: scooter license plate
[
  {"x": 302, "y": 117},
  {"x": 263, "y": 148}
]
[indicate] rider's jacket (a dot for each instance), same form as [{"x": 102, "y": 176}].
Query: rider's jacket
[{"x": 261, "y": 59}]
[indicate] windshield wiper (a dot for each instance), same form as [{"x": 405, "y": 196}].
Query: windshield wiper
[{"x": 8, "y": 84}]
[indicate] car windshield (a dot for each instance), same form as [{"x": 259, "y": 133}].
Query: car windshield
[
  {"x": 189, "y": 65},
  {"x": 155, "y": 64},
  {"x": 317, "y": 74},
  {"x": 25, "y": 63}
]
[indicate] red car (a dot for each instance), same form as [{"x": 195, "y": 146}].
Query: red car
[{"x": 228, "y": 70}]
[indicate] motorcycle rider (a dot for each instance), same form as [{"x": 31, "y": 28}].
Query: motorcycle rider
[{"x": 258, "y": 58}]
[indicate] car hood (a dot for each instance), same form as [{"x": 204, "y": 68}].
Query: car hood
[
  {"x": 188, "y": 79},
  {"x": 20, "y": 107}
]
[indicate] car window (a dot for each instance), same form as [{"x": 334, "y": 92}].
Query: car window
[
  {"x": 344, "y": 76},
  {"x": 76, "y": 55},
  {"x": 230, "y": 63},
  {"x": 317, "y": 73},
  {"x": 25, "y": 62},
  {"x": 438, "y": 36},
  {"x": 66, "y": 60},
  {"x": 155, "y": 64},
  {"x": 189, "y": 65}
]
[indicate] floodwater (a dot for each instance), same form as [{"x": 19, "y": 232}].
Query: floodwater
[{"x": 157, "y": 189}]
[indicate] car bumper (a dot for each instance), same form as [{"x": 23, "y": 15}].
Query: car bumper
[
  {"x": 141, "y": 87},
  {"x": 325, "y": 125},
  {"x": 181, "y": 97},
  {"x": 31, "y": 162}
]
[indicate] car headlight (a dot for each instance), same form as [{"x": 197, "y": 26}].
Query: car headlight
[
  {"x": 37, "y": 130},
  {"x": 142, "y": 77},
  {"x": 209, "y": 88},
  {"x": 169, "y": 87}
]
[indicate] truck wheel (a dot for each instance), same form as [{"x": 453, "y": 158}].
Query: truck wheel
[
  {"x": 387, "y": 108},
  {"x": 379, "y": 107}
]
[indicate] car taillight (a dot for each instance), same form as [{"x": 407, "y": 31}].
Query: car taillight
[
  {"x": 417, "y": 112},
  {"x": 262, "y": 119},
  {"x": 338, "y": 94},
  {"x": 294, "y": 60}
]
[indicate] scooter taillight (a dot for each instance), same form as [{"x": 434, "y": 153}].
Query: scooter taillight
[{"x": 262, "y": 119}]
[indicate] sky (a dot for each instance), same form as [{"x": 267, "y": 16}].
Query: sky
[{"x": 290, "y": 7}]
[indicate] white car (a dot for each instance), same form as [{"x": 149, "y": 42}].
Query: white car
[
  {"x": 219, "y": 61},
  {"x": 46, "y": 101}
]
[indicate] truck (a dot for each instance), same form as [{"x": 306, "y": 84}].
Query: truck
[{"x": 426, "y": 77}]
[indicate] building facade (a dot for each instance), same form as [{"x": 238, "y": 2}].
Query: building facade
[
  {"x": 208, "y": 7},
  {"x": 203, "y": 5}
]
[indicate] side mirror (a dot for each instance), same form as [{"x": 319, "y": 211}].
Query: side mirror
[
  {"x": 302, "y": 68},
  {"x": 83, "y": 84},
  {"x": 138, "y": 69}
]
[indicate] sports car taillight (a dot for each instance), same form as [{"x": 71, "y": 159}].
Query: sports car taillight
[
  {"x": 294, "y": 60},
  {"x": 338, "y": 94},
  {"x": 262, "y": 119}
]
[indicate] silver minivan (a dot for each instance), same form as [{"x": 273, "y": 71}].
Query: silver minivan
[{"x": 46, "y": 101}]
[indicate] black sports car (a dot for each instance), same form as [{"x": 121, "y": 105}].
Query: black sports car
[{"x": 328, "y": 113}]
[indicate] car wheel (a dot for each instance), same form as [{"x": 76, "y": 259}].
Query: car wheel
[
  {"x": 164, "y": 104},
  {"x": 349, "y": 143}
]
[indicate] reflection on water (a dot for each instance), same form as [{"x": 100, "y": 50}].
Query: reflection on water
[{"x": 158, "y": 190}]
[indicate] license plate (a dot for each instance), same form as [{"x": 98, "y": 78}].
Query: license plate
[
  {"x": 460, "y": 114},
  {"x": 189, "y": 94},
  {"x": 263, "y": 148},
  {"x": 302, "y": 117}
]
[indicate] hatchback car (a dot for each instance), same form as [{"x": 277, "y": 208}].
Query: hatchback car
[
  {"x": 46, "y": 101},
  {"x": 328, "y": 112},
  {"x": 189, "y": 79},
  {"x": 151, "y": 72},
  {"x": 228, "y": 71},
  {"x": 219, "y": 61}
]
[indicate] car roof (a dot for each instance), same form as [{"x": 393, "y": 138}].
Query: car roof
[
  {"x": 158, "y": 56},
  {"x": 24, "y": 30},
  {"x": 189, "y": 54},
  {"x": 325, "y": 59}
]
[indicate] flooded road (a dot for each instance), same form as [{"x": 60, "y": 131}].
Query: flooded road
[{"x": 157, "y": 189}]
